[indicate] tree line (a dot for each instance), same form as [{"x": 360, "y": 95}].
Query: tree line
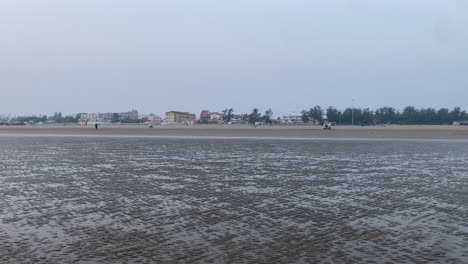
[
  {"x": 410, "y": 115},
  {"x": 255, "y": 117},
  {"x": 57, "y": 118}
]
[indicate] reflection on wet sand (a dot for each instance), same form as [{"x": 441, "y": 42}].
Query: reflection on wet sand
[{"x": 147, "y": 200}]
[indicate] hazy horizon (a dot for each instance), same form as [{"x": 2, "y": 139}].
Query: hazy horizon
[{"x": 153, "y": 56}]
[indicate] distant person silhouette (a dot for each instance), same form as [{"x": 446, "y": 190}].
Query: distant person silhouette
[{"x": 96, "y": 126}]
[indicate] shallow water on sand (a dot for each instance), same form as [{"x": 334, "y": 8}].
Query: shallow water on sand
[{"x": 156, "y": 200}]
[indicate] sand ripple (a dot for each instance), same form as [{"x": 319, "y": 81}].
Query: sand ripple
[{"x": 85, "y": 200}]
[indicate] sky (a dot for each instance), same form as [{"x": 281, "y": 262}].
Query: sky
[{"x": 156, "y": 56}]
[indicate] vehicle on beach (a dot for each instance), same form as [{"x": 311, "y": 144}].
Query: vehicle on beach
[{"x": 328, "y": 125}]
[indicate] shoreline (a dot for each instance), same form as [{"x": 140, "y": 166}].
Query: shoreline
[{"x": 233, "y": 131}]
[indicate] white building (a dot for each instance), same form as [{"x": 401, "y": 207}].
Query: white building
[
  {"x": 292, "y": 119},
  {"x": 216, "y": 116},
  {"x": 151, "y": 119},
  {"x": 108, "y": 117}
]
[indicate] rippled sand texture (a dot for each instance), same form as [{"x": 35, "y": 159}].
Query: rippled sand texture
[{"x": 122, "y": 200}]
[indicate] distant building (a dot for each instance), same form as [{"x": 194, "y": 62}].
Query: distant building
[
  {"x": 296, "y": 119},
  {"x": 89, "y": 117},
  {"x": 131, "y": 115},
  {"x": 109, "y": 117},
  {"x": 151, "y": 119},
  {"x": 175, "y": 117},
  {"x": 104, "y": 117},
  {"x": 292, "y": 119},
  {"x": 216, "y": 116},
  {"x": 207, "y": 117},
  {"x": 83, "y": 121},
  {"x": 276, "y": 121},
  {"x": 239, "y": 119}
]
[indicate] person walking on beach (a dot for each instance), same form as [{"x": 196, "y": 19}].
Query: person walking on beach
[{"x": 96, "y": 126}]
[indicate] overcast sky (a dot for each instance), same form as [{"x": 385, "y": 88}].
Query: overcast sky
[{"x": 115, "y": 55}]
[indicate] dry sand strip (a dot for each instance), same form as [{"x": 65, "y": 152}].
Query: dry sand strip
[{"x": 339, "y": 132}]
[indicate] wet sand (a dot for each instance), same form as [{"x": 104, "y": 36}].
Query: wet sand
[
  {"x": 184, "y": 200},
  {"x": 340, "y": 132}
]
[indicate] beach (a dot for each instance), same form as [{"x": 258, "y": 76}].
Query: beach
[
  {"x": 244, "y": 131},
  {"x": 138, "y": 199}
]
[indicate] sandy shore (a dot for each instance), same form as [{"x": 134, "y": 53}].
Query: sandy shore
[
  {"x": 157, "y": 200},
  {"x": 341, "y": 132}
]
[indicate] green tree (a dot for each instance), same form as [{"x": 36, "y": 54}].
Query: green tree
[
  {"x": 245, "y": 118},
  {"x": 225, "y": 115},
  {"x": 267, "y": 116},
  {"x": 333, "y": 114},
  {"x": 347, "y": 116},
  {"x": 409, "y": 116},
  {"x": 357, "y": 116},
  {"x": 305, "y": 116},
  {"x": 255, "y": 116},
  {"x": 456, "y": 114},
  {"x": 443, "y": 116},
  {"x": 70, "y": 119},
  {"x": 29, "y": 119},
  {"x": 386, "y": 115},
  {"x": 57, "y": 117},
  {"x": 367, "y": 116},
  {"x": 228, "y": 115},
  {"x": 429, "y": 116},
  {"x": 317, "y": 113},
  {"x": 464, "y": 116},
  {"x": 115, "y": 118}
]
